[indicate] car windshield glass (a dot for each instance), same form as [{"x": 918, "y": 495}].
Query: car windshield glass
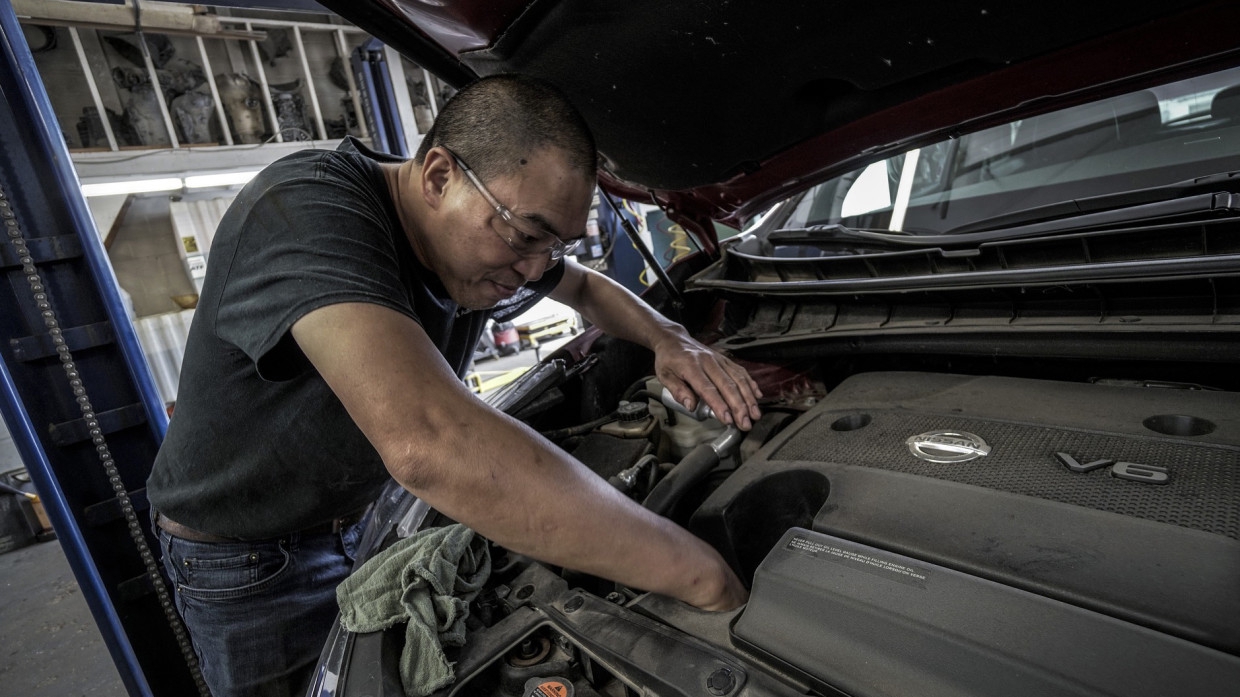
[{"x": 1167, "y": 134}]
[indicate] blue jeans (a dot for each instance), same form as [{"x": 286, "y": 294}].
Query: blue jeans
[{"x": 258, "y": 612}]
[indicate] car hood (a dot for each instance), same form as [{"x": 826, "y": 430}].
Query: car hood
[{"x": 715, "y": 110}]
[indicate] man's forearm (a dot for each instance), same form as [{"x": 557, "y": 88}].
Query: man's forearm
[
  {"x": 517, "y": 490},
  {"x": 617, "y": 311},
  {"x": 492, "y": 472}
]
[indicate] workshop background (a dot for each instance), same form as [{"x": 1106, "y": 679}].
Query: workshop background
[{"x": 162, "y": 134}]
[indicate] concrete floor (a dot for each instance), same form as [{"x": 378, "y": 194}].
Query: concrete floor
[{"x": 49, "y": 643}]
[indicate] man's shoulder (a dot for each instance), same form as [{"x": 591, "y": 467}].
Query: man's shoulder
[
  {"x": 310, "y": 175},
  {"x": 354, "y": 146},
  {"x": 318, "y": 163}
]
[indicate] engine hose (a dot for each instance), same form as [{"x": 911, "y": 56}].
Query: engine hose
[
  {"x": 690, "y": 471},
  {"x": 581, "y": 429},
  {"x": 625, "y": 480},
  {"x": 643, "y": 395},
  {"x": 631, "y": 390}
]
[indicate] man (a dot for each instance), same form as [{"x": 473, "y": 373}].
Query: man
[{"x": 343, "y": 298}]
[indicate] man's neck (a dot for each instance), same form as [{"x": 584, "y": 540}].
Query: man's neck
[{"x": 400, "y": 184}]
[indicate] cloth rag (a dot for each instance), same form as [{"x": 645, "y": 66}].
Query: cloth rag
[{"x": 426, "y": 580}]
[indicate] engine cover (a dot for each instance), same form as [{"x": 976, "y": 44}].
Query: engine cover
[
  {"x": 1122, "y": 501},
  {"x": 869, "y": 623}
]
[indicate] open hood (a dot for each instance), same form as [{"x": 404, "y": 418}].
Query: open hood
[{"x": 715, "y": 110}]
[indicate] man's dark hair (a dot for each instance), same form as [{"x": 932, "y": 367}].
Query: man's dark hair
[{"x": 495, "y": 122}]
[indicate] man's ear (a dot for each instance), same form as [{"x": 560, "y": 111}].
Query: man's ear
[{"x": 436, "y": 171}]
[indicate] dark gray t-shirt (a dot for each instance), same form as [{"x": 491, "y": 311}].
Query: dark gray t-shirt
[{"x": 259, "y": 445}]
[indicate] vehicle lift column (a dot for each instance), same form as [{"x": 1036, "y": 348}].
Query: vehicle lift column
[{"x": 75, "y": 389}]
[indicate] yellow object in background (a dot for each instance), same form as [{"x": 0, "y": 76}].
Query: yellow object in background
[{"x": 479, "y": 385}]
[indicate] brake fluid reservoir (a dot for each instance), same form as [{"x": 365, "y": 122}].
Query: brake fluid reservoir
[
  {"x": 633, "y": 420},
  {"x": 684, "y": 433}
]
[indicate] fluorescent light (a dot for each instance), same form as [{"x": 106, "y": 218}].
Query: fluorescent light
[
  {"x": 142, "y": 186},
  {"x": 226, "y": 179},
  {"x": 133, "y": 186}
]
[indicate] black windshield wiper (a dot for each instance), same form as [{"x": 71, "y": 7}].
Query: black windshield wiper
[
  {"x": 1210, "y": 195},
  {"x": 829, "y": 239},
  {"x": 1193, "y": 195}
]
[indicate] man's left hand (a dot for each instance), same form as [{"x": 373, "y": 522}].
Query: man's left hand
[{"x": 691, "y": 370}]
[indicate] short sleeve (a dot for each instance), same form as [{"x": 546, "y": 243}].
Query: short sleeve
[{"x": 310, "y": 234}]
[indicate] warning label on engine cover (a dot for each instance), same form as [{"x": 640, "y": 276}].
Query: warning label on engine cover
[{"x": 870, "y": 563}]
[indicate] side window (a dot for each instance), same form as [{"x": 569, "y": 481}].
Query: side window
[{"x": 870, "y": 191}]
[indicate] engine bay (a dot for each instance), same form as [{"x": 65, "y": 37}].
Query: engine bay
[{"x": 902, "y": 533}]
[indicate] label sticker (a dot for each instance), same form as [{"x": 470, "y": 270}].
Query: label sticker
[
  {"x": 547, "y": 688},
  {"x": 870, "y": 563}
]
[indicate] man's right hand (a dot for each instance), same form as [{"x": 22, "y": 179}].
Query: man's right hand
[{"x": 731, "y": 592}]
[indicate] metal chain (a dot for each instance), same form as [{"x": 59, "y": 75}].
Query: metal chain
[{"x": 43, "y": 303}]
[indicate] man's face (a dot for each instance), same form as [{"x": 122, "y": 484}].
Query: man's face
[{"x": 473, "y": 260}]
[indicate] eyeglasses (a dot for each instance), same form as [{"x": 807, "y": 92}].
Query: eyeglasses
[{"x": 524, "y": 237}]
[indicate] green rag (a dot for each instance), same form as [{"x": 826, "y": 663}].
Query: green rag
[{"x": 428, "y": 581}]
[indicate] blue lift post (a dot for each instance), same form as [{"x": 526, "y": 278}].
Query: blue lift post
[
  {"x": 77, "y": 395},
  {"x": 374, "y": 82}
]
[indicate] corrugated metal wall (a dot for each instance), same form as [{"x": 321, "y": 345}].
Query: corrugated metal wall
[
  {"x": 163, "y": 340},
  {"x": 163, "y": 336}
]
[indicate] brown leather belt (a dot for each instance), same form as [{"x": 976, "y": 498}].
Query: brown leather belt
[{"x": 187, "y": 533}]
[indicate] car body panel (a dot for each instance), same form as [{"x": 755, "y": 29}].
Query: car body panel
[{"x": 717, "y": 110}]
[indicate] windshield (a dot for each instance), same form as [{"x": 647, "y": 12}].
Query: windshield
[{"x": 1154, "y": 137}]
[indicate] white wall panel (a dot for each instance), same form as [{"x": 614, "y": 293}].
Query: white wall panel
[
  {"x": 163, "y": 341},
  {"x": 194, "y": 223}
]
